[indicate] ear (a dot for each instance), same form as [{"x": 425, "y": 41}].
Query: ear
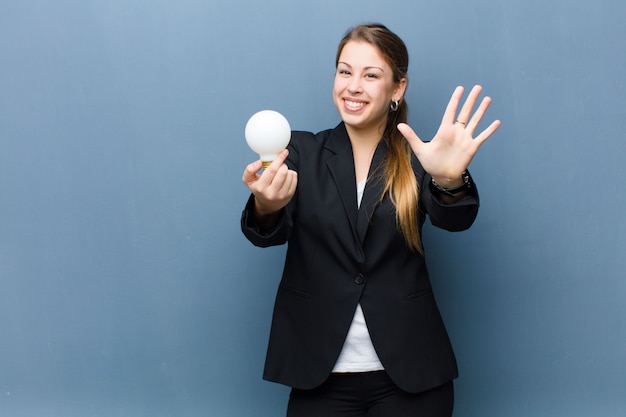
[{"x": 399, "y": 90}]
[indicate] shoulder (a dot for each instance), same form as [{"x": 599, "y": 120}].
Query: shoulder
[
  {"x": 304, "y": 138},
  {"x": 332, "y": 139},
  {"x": 307, "y": 146}
]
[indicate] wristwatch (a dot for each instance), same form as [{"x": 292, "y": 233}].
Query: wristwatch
[{"x": 466, "y": 184}]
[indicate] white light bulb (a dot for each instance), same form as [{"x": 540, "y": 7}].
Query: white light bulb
[{"x": 267, "y": 133}]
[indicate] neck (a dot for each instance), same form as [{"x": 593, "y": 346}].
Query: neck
[
  {"x": 364, "y": 139},
  {"x": 364, "y": 143}
]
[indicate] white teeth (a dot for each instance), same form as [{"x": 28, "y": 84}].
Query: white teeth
[{"x": 354, "y": 104}]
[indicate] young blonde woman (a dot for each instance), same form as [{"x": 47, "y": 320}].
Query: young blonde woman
[{"x": 356, "y": 330}]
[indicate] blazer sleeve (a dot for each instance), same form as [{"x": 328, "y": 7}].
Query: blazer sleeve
[
  {"x": 280, "y": 233},
  {"x": 265, "y": 238},
  {"x": 452, "y": 217}
]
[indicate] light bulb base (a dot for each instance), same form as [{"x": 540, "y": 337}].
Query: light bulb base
[{"x": 266, "y": 164}]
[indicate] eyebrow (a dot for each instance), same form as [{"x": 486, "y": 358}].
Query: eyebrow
[{"x": 366, "y": 68}]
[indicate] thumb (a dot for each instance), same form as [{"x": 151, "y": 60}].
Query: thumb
[
  {"x": 250, "y": 174},
  {"x": 411, "y": 137}
]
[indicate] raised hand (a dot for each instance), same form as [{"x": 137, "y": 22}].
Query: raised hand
[
  {"x": 273, "y": 188},
  {"x": 452, "y": 149}
]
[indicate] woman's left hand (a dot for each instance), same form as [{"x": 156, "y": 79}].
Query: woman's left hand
[{"x": 452, "y": 149}]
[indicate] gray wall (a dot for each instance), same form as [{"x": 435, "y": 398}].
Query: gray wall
[{"x": 126, "y": 288}]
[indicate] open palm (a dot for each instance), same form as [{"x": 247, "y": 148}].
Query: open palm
[{"x": 452, "y": 149}]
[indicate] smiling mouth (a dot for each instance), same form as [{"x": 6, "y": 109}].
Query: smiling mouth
[{"x": 354, "y": 105}]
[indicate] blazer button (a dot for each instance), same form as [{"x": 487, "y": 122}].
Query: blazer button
[{"x": 359, "y": 279}]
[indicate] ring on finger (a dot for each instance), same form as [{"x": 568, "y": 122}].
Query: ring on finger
[{"x": 463, "y": 123}]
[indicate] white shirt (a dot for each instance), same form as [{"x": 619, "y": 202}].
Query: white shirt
[{"x": 358, "y": 353}]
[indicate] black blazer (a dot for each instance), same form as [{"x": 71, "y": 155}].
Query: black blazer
[{"x": 339, "y": 255}]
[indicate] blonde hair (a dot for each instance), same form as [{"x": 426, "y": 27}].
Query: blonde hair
[{"x": 400, "y": 182}]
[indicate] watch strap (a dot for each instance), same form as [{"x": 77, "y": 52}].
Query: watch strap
[{"x": 451, "y": 191}]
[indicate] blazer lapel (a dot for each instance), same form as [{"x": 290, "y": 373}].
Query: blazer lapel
[
  {"x": 373, "y": 190},
  {"x": 341, "y": 166}
]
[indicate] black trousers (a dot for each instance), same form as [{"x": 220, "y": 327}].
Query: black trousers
[{"x": 369, "y": 394}]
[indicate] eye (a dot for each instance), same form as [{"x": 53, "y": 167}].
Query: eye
[
  {"x": 371, "y": 75},
  {"x": 343, "y": 71}
]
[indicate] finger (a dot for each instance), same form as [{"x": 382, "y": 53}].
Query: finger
[
  {"x": 479, "y": 113},
  {"x": 450, "y": 112},
  {"x": 280, "y": 158},
  {"x": 294, "y": 182},
  {"x": 280, "y": 178},
  {"x": 250, "y": 174},
  {"x": 485, "y": 134},
  {"x": 267, "y": 177},
  {"x": 289, "y": 187},
  {"x": 468, "y": 106},
  {"x": 411, "y": 137}
]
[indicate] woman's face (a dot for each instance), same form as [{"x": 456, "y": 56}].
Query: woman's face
[{"x": 364, "y": 87}]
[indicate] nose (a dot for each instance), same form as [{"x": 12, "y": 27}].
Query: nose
[{"x": 354, "y": 86}]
